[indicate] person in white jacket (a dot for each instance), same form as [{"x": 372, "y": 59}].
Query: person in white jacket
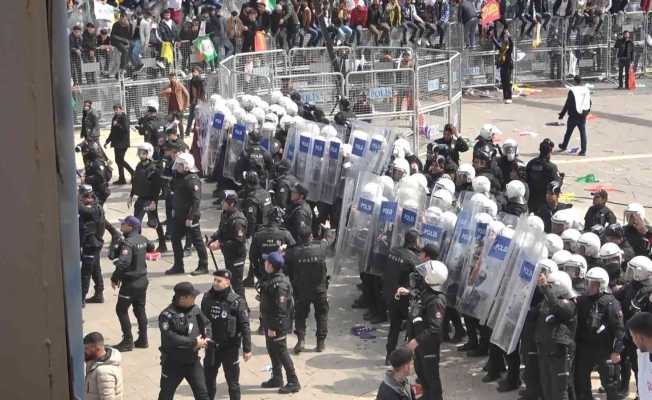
[
  {"x": 103, "y": 369},
  {"x": 640, "y": 327}
]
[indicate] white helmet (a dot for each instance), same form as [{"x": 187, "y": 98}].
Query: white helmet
[
  {"x": 481, "y": 184},
  {"x": 329, "y": 131},
  {"x": 240, "y": 114},
  {"x": 247, "y": 102},
  {"x": 147, "y": 148},
  {"x": 277, "y": 110},
  {"x": 634, "y": 208},
  {"x": 291, "y": 108},
  {"x": 588, "y": 245},
  {"x": 554, "y": 243},
  {"x": 510, "y": 149},
  {"x": 597, "y": 274},
  {"x": 433, "y": 214},
  {"x": 488, "y": 130},
  {"x": 507, "y": 232},
  {"x": 388, "y": 186},
  {"x": 478, "y": 200},
  {"x": 259, "y": 113},
  {"x": 229, "y": 121},
  {"x": 561, "y": 258},
  {"x": 434, "y": 273},
  {"x": 562, "y": 220},
  {"x": 420, "y": 179},
  {"x": 271, "y": 117},
  {"x": 562, "y": 284},
  {"x": 575, "y": 267},
  {"x": 260, "y": 103},
  {"x": 410, "y": 204},
  {"x": 276, "y": 97},
  {"x": 570, "y": 238},
  {"x": 187, "y": 161},
  {"x": 370, "y": 191},
  {"x": 489, "y": 206},
  {"x": 515, "y": 191},
  {"x": 448, "y": 220},
  {"x": 610, "y": 250},
  {"x": 496, "y": 226},
  {"x": 232, "y": 104},
  {"x": 467, "y": 171},
  {"x": 268, "y": 127},
  {"x": 444, "y": 183},
  {"x": 442, "y": 199},
  {"x": 483, "y": 218},
  {"x": 286, "y": 121},
  {"x": 640, "y": 268},
  {"x": 535, "y": 223},
  {"x": 251, "y": 122},
  {"x": 548, "y": 266},
  {"x": 400, "y": 165}
]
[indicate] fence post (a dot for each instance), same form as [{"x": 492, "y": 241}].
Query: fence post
[{"x": 608, "y": 76}]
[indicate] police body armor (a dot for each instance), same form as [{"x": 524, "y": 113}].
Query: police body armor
[
  {"x": 144, "y": 181},
  {"x": 187, "y": 323},
  {"x": 228, "y": 233},
  {"x": 134, "y": 274},
  {"x": 310, "y": 276},
  {"x": 255, "y": 206},
  {"x": 92, "y": 224},
  {"x": 223, "y": 314}
]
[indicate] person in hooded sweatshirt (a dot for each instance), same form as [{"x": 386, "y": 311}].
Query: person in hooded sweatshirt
[
  {"x": 103, "y": 369},
  {"x": 395, "y": 385}
]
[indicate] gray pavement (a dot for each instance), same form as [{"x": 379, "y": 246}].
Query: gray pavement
[{"x": 351, "y": 368}]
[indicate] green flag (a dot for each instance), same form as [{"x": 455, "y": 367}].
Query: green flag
[
  {"x": 590, "y": 178},
  {"x": 205, "y": 47}
]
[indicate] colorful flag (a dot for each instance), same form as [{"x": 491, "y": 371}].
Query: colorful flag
[{"x": 490, "y": 13}]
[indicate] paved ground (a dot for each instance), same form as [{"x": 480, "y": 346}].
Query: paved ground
[{"x": 351, "y": 368}]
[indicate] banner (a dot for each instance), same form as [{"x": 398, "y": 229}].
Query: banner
[
  {"x": 490, "y": 12},
  {"x": 205, "y": 47}
]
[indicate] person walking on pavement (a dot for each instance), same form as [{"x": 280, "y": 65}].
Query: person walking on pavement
[
  {"x": 119, "y": 139},
  {"x": 184, "y": 331},
  {"x": 578, "y": 106},
  {"x": 229, "y": 319},
  {"x": 178, "y": 99},
  {"x": 91, "y": 230},
  {"x": 276, "y": 308},
  {"x": 130, "y": 276},
  {"x": 625, "y": 48}
]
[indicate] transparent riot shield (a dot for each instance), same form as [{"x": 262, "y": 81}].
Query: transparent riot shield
[
  {"x": 509, "y": 220},
  {"x": 411, "y": 197},
  {"x": 433, "y": 228},
  {"x": 267, "y": 132},
  {"x": 359, "y": 141},
  {"x": 384, "y": 229},
  {"x": 356, "y": 237},
  {"x": 216, "y": 129},
  {"x": 331, "y": 172},
  {"x": 485, "y": 274},
  {"x": 519, "y": 287},
  {"x": 235, "y": 145},
  {"x": 316, "y": 164},
  {"x": 289, "y": 151},
  {"x": 380, "y": 141},
  {"x": 305, "y": 141},
  {"x": 482, "y": 221}
]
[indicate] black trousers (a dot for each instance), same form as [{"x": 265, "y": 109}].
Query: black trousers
[
  {"x": 588, "y": 358},
  {"x": 472, "y": 325},
  {"x": 629, "y": 363},
  {"x": 277, "y": 348},
  {"x": 398, "y": 312},
  {"x": 570, "y": 127},
  {"x": 172, "y": 374},
  {"x": 372, "y": 291},
  {"x": 90, "y": 268},
  {"x": 124, "y": 53},
  {"x": 237, "y": 275},
  {"x": 136, "y": 297},
  {"x": 554, "y": 372},
  {"x": 302, "y": 304},
  {"x": 228, "y": 359},
  {"x": 427, "y": 369},
  {"x": 152, "y": 217},
  {"x": 623, "y": 70},
  {"x": 506, "y": 81},
  {"x": 194, "y": 234},
  {"x": 452, "y": 317},
  {"x": 531, "y": 373},
  {"x": 121, "y": 163}
]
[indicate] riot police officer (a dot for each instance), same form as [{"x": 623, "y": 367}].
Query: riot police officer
[
  {"x": 540, "y": 172},
  {"x": 401, "y": 262},
  {"x": 344, "y": 114},
  {"x": 600, "y": 332},
  {"x": 146, "y": 186},
  {"x": 306, "y": 267},
  {"x": 515, "y": 195},
  {"x": 130, "y": 276},
  {"x": 548, "y": 210},
  {"x": 485, "y": 165},
  {"x": 510, "y": 165},
  {"x": 184, "y": 331},
  {"x": 186, "y": 187},
  {"x": 254, "y": 158},
  {"x": 636, "y": 229},
  {"x": 282, "y": 184},
  {"x": 268, "y": 238},
  {"x": 299, "y": 214},
  {"x": 276, "y": 308},
  {"x": 427, "y": 308},
  {"x": 91, "y": 231},
  {"x": 256, "y": 203},
  {"x": 231, "y": 238},
  {"x": 152, "y": 127},
  {"x": 229, "y": 319},
  {"x": 555, "y": 334},
  {"x": 97, "y": 172}
]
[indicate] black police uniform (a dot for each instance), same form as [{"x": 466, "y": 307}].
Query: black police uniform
[
  {"x": 306, "y": 267},
  {"x": 131, "y": 272},
  {"x": 230, "y": 329},
  {"x": 531, "y": 374},
  {"x": 282, "y": 186},
  {"x": 425, "y": 325},
  {"x": 297, "y": 219},
  {"x": 598, "y": 215},
  {"x": 95, "y": 175},
  {"x": 600, "y": 332},
  {"x": 555, "y": 337},
  {"x": 267, "y": 239},
  {"x": 639, "y": 242},
  {"x": 514, "y": 208},
  {"x": 233, "y": 241},
  {"x": 256, "y": 203},
  {"x": 152, "y": 128},
  {"x": 254, "y": 158},
  {"x": 401, "y": 262},
  {"x": 185, "y": 203},
  {"x": 179, "y": 357},
  {"x": 539, "y": 172},
  {"x": 277, "y": 308},
  {"x": 510, "y": 170},
  {"x": 545, "y": 212},
  {"x": 91, "y": 230},
  {"x": 146, "y": 184},
  {"x": 454, "y": 147}
]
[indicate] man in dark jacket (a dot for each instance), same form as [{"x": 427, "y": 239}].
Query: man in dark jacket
[
  {"x": 90, "y": 127},
  {"x": 578, "y": 106},
  {"x": 599, "y": 213},
  {"x": 119, "y": 139},
  {"x": 89, "y": 44},
  {"x": 299, "y": 214},
  {"x": 625, "y": 55},
  {"x": 395, "y": 385},
  {"x": 539, "y": 173},
  {"x": 456, "y": 144},
  {"x": 75, "y": 44},
  {"x": 468, "y": 17},
  {"x": 91, "y": 230}
]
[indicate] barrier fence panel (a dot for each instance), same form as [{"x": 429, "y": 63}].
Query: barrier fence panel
[
  {"x": 103, "y": 95},
  {"x": 378, "y": 58},
  {"x": 590, "y": 62},
  {"x": 479, "y": 68},
  {"x": 140, "y": 94},
  {"x": 266, "y": 63},
  {"x": 433, "y": 82},
  {"x": 538, "y": 65},
  {"x": 647, "y": 47},
  {"x": 381, "y": 92},
  {"x": 322, "y": 90},
  {"x": 315, "y": 60},
  {"x": 254, "y": 84}
]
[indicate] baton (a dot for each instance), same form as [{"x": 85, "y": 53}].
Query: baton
[{"x": 211, "y": 250}]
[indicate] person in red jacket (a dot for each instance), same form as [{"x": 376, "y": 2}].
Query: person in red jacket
[{"x": 358, "y": 20}]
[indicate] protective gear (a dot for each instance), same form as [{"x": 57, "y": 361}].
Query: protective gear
[
  {"x": 483, "y": 153},
  {"x": 401, "y": 148},
  {"x": 597, "y": 274},
  {"x": 252, "y": 178},
  {"x": 570, "y": 238},
  {"x": 146, "y": 148},
  {"x": 286, "y": 121},
  {"x": 510, "y": 149},
  {"x": 489, "y": 206},
  {"x": 84, "y": 190},
  {"x": 488, "y": 131},
  {"x": 588, "y": 245},
  {"x": 332, "y": 171},
  {"x": 515, "y": 191},
  {"x": 434, "y": 273},
  {"x": 251, "y": 122},
  {"x": 481, "y": 184},
  {"x": 259, "y": 113},
  {"x": 562, "y": 284},
  {"x": 640, "y": 268},
  {"x": 421, "y": 180},
  {"x": 329, "y": 131},
  {"x": 267, "y": 132},
  {"x": 272, "y": 117},
  {"x": 561, "y": 258},
  {"x": 465, "y": 172},
  {"x": 535, "y": 223},
  {"x": 315, "y": 167},
  {"x": 411, "y": 203},
  {"x": 187, "y": 161},
  {"x": 548, "y": 266},
  {"x": 614, "y": 230},
  {"x": 235, "y": 146},
  {"x": 634, "y": 208},
  {"x": 400, "y": 169},
  {"x": 441, "y": 199},
  {"x": 563, "y": 220},
  {"x": 276, "y": 97},
  {"x": 444, "y": 183},
  {"x": 276, "y": 216},
  {"x": 554, "y": 243},
  {"x": 576, "y": 266}
]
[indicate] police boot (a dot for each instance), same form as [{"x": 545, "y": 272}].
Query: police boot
[
  {"x": 507, "y": 385},
  {"x": 127, "y": 344},
  {"x": 98, "y": 298},
  {"x": 468, "y": 346},
  {"x": 301, "y": 341},
  {"x": 199, "y": 271},
  {"x": 174, "y": 270},
  {"x": 141, "y": 343},
  {"x": 321, "y": 345},
  {"x": 274, "y": 382},
  {"x": 187, "y": 249},
  {"x": 291, "y": 387},
  {"x": 459, "y": 335}
]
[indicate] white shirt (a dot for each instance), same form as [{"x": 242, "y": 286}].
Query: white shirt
[
  {"x": 174, "y": 4},
  {"x": 644, "y": 376}
]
